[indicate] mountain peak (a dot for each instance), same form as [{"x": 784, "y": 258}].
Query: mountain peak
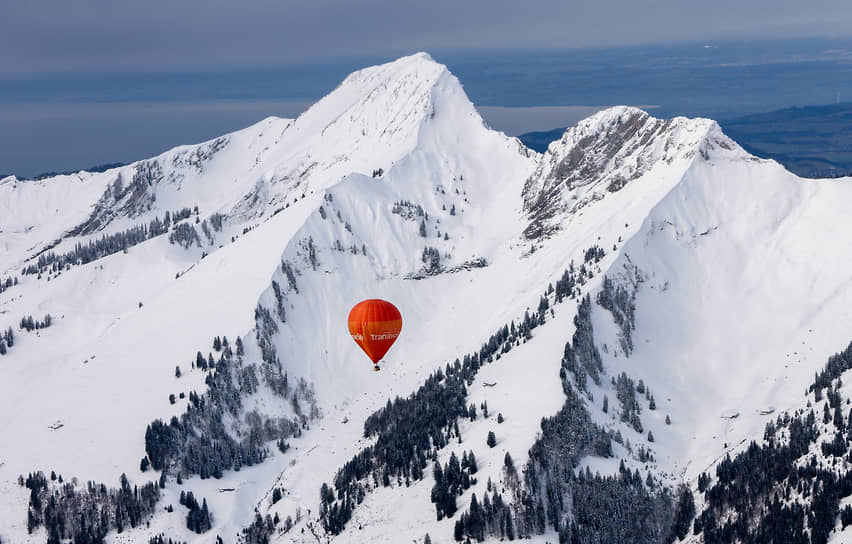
[
  {"x": 421, "y": 55},
  {"x": 420, "y": 65},
  {"x": 606, "y": 151}
]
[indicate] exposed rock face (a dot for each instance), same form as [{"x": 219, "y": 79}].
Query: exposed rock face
[{"x": 603, "y": 154}]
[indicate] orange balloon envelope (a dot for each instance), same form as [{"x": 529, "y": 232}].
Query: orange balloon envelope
[{"x": 375, "y": 324}]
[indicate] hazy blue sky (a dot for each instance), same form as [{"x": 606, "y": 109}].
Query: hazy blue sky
[
  {"x": 45, "y": 36},
  {"x": 103, "y": 81}
]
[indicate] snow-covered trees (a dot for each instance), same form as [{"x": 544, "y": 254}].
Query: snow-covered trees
[
  {"x": 184, "y": 235},
  {"x": 311, "y": 251},
  {"x": 198, "y": 443},
  {"x": 684, "y": 512},
  {"x": 7, "y": 340},
  {"x": 406, "y": 429},
  {"x": 581, "y": 356},
  {"x": 630, "y": 409},
  {"x": 86, "y": 515},
  {"x": 111, "y": 243},
  {"x": 539, "y": 495},
  {"x": 431, "y": 259},
  {"x": 621, "y": 303},
  {"x": 451, "y": 481},
  {"x": 198, "y": 519},
  {"x": 798, "y": 499},
  {"x": 29, "y": 324},
  {"x": 162, "y": 539},
  {"x": 408, "y": 210},
  {"x": 7, "y": 283}
]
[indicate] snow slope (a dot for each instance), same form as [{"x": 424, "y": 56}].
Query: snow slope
[
  {"x": 746, "y": 295},
  {"x": 743, "y": 291}
]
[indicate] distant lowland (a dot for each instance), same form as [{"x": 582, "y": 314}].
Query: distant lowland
[{"x": 810, "y": 141}]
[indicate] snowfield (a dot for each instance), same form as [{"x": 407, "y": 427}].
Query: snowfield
[{"x": 739, "y": 268}]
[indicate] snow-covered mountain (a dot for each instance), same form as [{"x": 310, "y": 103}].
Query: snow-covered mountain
[{"x": 646, "y": 285}]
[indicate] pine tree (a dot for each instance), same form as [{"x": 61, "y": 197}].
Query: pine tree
[
  {"x": 205, "y": 517},
  {"x": 492, "y": 440},
  {"x": 475, "y": 520},
  {"x": 508, "y": 463},
  {"x": 510, "y": 531}
]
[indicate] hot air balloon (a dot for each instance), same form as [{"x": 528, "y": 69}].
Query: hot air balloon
[{"x": 375, "y": 324}]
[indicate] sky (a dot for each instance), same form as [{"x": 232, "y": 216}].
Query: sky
[{"x": 98, "y": 81}]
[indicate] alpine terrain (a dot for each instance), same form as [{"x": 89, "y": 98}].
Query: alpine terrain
[{"x": 640, "y": 335}]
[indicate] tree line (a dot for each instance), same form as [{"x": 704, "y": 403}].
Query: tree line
[
  {"x": 579, "y": 506},
  {"x": 29, "y": 324},
  {"x": 108, "y": 244},
  {"x": 621, "y": 303},
  {"x": 410, "y": 431},
  {"x": 782, "y": 489},
  {"x": 85, "y": 516},
  {"x": 198, "y": 442}
]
